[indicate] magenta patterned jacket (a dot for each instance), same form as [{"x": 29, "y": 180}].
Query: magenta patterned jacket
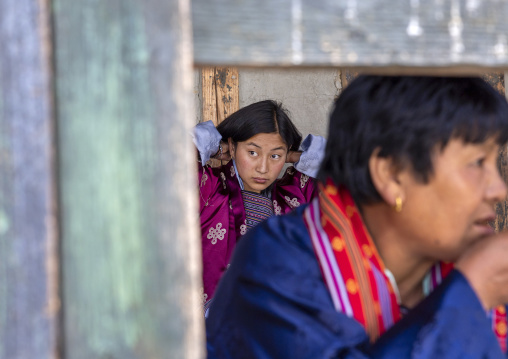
[{"x": 222, "y": 214}]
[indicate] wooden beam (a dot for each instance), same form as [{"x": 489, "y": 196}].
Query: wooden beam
[
  {"x": 389, "y": 35},
  {"x": 29, "y": 266},
  {"x": 130, "y": 235}
]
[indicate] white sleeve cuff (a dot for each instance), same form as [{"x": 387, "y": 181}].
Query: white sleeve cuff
[
  {"x": 206, "y": 138},
  {"x": 313, "y": 148}
]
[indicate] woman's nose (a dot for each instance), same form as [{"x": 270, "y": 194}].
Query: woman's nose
[{"x": 497, "y": 189}]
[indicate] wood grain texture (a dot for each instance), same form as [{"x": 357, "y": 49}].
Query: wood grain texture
[
  {"x": 131, "y": 248},
  {"x": 29, "y": 298},
  {"x": 497, "y": 80},
  {"x": 501, "y": 222},
  {"x": 220, "y": 96},
  {"x": 226, "y": 83},
  {"x": 220, "y": 93},
  {"x": 397, "y": 34},
  {"x": 346, "y": 76},
  {"x": 209, "y": 95}
]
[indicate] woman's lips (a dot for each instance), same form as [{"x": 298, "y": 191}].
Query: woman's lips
[
  {"x": 260, "y": 180},
  {"x": 486, "y": 229},
  {"x": 486, "y": 225}
]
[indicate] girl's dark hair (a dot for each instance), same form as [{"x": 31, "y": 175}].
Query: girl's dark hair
[
  {"x": 406, "y": 118},
  {"x": 261, "y": 117}
]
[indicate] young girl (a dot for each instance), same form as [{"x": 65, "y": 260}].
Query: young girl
[{"x": 259, "y": 139}]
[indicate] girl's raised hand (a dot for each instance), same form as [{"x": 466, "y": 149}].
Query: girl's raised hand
[
  {"x": 293, "y": 156},
  {"x": 223, "y": 152}
]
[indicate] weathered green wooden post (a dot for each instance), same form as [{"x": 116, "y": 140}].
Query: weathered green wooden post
[
  {"x": 130, "y": 247},
  {"x": 29, "y": 299}
]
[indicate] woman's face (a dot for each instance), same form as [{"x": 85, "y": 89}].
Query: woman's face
[
  {"x": 259, "y": 160},
  {"x": 454, "y": 208}
]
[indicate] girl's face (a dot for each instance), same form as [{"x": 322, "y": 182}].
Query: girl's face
[
  {"x": 259, "y": 160},
  {"x": 442, "y": 217}
]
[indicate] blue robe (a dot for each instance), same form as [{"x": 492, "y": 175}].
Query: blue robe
[{"x": 273, "y": 303}]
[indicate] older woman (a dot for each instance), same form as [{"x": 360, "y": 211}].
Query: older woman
[
  {"x": 407, "y": 186},
  {"x": 258, "y": 139}
]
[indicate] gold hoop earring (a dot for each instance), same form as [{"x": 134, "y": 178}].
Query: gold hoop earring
[{"x": 398, "y": 204}]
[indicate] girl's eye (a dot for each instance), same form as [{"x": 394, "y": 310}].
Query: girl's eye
[
  {"x": 252, "y": 153},
  {"x": 479, "y": 162},
  {"x": 276, "y": 157}
]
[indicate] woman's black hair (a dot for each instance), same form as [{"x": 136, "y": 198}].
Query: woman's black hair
[
  {"x": 261, "y": 117},
  {"x": 406, "y": 119}
]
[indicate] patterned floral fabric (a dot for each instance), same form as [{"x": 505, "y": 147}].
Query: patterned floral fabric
[{"x": 223, "y": 216}]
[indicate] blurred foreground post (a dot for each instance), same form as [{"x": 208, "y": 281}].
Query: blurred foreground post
[
  {"x": 98, "y": 122},
  {"x": 29, "y": 300},
  {"x": 130, "y": 244}
]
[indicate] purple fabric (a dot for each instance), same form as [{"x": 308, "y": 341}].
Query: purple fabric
[{"x": 222, "y": 214}]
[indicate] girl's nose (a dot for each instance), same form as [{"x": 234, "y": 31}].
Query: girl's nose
[{"x": 262, "y": 165}]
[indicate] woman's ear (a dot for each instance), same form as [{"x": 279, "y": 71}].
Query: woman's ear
[{"x": 385, "y": 177}]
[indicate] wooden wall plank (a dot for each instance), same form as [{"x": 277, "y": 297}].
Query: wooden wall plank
[
  {"x": 29, "y": 297},
  {"x": 497, "y": 80},
  {"x": 346, "y": 76},
  {"x": 220, "y": 93},
  {"x": 400, "y": 35},
  {"x": 226, "y": 83},
  {"x": 209, "y": 101},
  {"x": 130, "y": 239},
  {"x": 209, "y": 94},
  {"x": 501, "y": 222},
  {"x": 220, "y": 96}
]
